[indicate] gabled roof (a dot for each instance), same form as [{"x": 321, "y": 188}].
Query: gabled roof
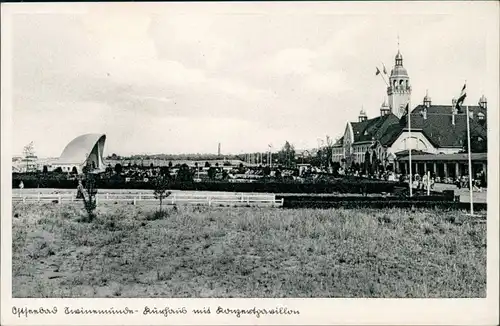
[
  {"x": 391, "y": 134},
  {"x": 339, "y": 143},
  {"x": 374, "y": 128},
  {"x": 438, "y": 127}
]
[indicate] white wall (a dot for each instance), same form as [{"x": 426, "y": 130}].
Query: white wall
[{"x": 417, "y": 142}]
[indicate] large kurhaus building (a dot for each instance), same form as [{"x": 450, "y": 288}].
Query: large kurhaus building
[{"x": 435, "y": 129}]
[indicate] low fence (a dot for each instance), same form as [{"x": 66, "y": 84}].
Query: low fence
[{"x": 148, "y": 198}]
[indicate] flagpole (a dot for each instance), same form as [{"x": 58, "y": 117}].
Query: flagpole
[
  {"x": 470, "y": 162},
  {"x": 409, "y": 149}
]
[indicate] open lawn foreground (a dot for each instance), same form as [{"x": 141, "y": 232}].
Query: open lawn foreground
[{"x": 246, "y": 252}]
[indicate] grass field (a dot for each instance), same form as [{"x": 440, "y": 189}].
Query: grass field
[{"x": 246, "y": 252}]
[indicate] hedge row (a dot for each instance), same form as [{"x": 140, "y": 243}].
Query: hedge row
[
  {"x": 400, "y": 203},
  {"x": 341, "y": 186},
  {"x": 364, "y": 199}
]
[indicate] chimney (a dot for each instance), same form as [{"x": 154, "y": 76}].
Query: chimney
[
  {"x": 423, "y": 113},
  {"x": 453, "y": 110}
]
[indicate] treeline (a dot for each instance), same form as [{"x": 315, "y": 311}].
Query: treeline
[{"x": 176, "y": 157}]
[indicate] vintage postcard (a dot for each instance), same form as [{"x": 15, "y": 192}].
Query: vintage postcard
[{"x": 266, "y": 163}]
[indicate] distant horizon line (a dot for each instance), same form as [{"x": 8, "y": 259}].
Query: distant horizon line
[{"x": 179, "y": 154}]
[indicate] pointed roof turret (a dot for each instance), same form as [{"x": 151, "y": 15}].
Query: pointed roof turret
[
  {"x": 427, "y": 99},
  {"x": 362, "y": 115}
]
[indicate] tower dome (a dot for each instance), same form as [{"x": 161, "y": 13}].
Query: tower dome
[
  {"x": 384, "y": 108},
  {"x": 399, "y": 56},
  {"x": 483, "y": 102},
  {"x": 399, "y": 89},
  {"x": 427, "y": 99},
  {"x": 399, "y": 59},
  {"x": 362, "y": 115}
]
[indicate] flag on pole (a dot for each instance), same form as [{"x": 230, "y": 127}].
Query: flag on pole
[
  {"x": 406, "y": 110},
  {"x": 404, "y": 115},
  {"x": 385, "y": 70},
  {"x": 378, "y": 72},
  {"x": 461, "y": 99}
]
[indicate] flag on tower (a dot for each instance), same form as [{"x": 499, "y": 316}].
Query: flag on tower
[
  {"x": 461, "y": 99},
  {"x": 378, "y": 72},
  {"x": 385, "y": 70}
]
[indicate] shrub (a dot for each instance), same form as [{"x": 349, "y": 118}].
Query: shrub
[{"x": 156, "y": 215}]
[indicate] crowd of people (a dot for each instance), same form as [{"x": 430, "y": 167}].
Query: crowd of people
[{"x": 419, "y": 182}]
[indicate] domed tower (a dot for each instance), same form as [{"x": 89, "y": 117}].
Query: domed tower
[
  {"x": 427, "y": 100},
  {"x": 399, "y": 90},
  {"x": 362, "y": 115},
  {"x": 384, "y": 108},
  {"x": 483, "y": 102}
]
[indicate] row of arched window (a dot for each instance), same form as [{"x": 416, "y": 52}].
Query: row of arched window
[{"x": 400, "y": 83}]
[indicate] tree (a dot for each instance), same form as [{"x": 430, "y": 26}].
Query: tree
[
  {"x": 88, "y": 194},
  {"x": 29, "y": 155},
  {"x": 184, "y": 174},
  {"x": 286, "y": 156},
  {"x": 118, "y": 168},
  {"x": 328, "y": 151},
  {"x": 45, "y": 169},
  {"x": 318, "y": 159},
  {"x": 160, "y": 184},
  {"x": 170, "y": 164},
  {"x": 211, "y": 173},
  {"x": 165, "y": 171},
  {"x": 478, "y": 141},
  {"x": 41, "y": 179},
  {"x": 277, "y": 174},
  {"x": 207, "y": 165}
]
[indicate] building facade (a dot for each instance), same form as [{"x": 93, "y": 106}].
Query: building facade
[{"x": 378, "y": 143}]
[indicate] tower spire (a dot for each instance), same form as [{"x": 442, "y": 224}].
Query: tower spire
[{"x": 398, "y": 42}]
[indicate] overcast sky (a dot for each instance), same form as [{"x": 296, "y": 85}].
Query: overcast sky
[{"x": 179, "y": 78}]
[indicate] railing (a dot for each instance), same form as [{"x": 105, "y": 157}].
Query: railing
[{"x": 148, "y": 198}]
